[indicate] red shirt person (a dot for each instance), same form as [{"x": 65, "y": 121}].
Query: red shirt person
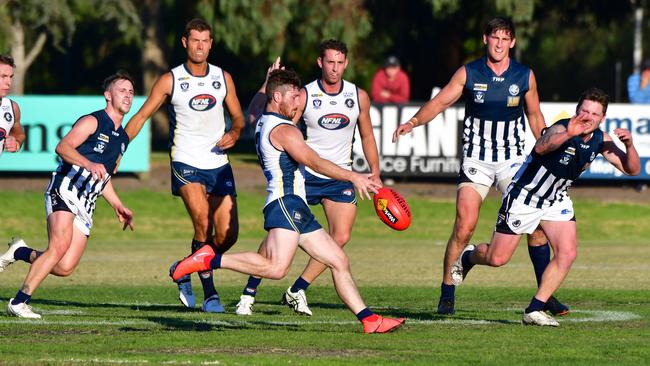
[{"x": 390, "y": 83}]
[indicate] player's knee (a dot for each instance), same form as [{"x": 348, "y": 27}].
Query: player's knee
[
  {"x": 497, "y": 260},
  {"x": 63, "y": 271},
  {"x": 277, "y": 272},
  {"x": 566, "y": 257},
  {"x": 341, "y": 238},
  {"x": 340, "y": 262}
]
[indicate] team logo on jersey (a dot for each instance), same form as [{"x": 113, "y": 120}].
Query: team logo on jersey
[
  {"x": 185, "y": 86},
  {"x": 513, "y": 90},
  {"x": 497, "y": 79},
  {"x": 216, "y": 85},
  {"x": 480, "y": 87},
  {"x": 297, "y": 216},
  {"x": 332, "y": 102},
  {"x": 317, "y": 103},
  {"x": 317, "y": 95},
  {"x": 117, "y": 134},
  {"x": 565, "y": 159},
  {"x": 100, "y": 147},
  {"x": 347, "y": 192},
  {"x": 513, "y": 102},
  {"x": 3, "y": 134},
  {"x": 8, "y": 117},
  {"x": 471, "y": 171},
  {"x": 479, "y": 97},
  {"x": 566, "y": 211},
  {"x": 570, "y": 150},
  {"x": 349, "y": 103},
  {"x": 334, "y": 121},
  {"x": 103, "y": 137},
  {"x": 201, "y": 83},
  {"x": 203, "y": 102},
  {"x": 584, "y": 146},
  {"x": 516, "y": 223},
  {"x": 183, "y": 78}
]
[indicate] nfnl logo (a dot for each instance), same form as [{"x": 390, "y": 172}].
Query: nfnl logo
[
  {"x": 202, "y": 102},
  {"x": 334, "y": 121}
]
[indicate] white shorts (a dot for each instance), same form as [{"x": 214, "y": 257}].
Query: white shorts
[
  {"x": 476, "y": 172},
  {"x": 516, "y": 217},
  {"x": 64, "y": 200}
]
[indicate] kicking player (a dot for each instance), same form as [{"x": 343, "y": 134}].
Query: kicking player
[
  {"x": 200, "y": 170},
  {"x": 332, "y": 109},
  {"x": 498, "y": 91},
  {"x": 12, "y": 135},
  {"x": 89, "y": 154},
  {"x": 538, "y": 195},
  {"x": 282, "y": 153}
]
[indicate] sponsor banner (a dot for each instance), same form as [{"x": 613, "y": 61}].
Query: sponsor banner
[
  {"x": 435, "y": 149},
  {"x": 47, "y": 118}
]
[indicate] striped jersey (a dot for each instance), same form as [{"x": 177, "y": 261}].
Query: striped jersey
[
  {"x": 544, "y": 179},
  {"x": 329, "y": 122},
  {"x": 284, "y": 176},
  {"x": 196, "y": 117},
  {"x": 494, "y": 126},
  {"x": 7, "y": 120},
  {"x": 105, "y": 146}
]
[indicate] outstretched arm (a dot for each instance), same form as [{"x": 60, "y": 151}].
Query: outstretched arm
[
  {"x": 627, "y": 162},
  {"x": 557, "y": 134},
  {"x": 159, "y": 93}
]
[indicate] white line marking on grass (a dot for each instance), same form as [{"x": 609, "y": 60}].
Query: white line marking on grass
[
  {"x": 62, "y": 312},
  {"x": 92, "y": 360}
]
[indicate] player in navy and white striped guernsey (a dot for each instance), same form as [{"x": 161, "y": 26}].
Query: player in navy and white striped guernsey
[
  {"x": 498, "y": 91},
  {"x": 538, "y": 195},
  {"x": 89, "y": 156},
  {"x": 12, "y": 135}
]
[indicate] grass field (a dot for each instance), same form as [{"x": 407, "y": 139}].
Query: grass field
[{"x": 120, "y": 307}]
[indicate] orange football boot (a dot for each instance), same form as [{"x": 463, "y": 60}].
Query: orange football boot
[
  {"x": 198, "y": 261},
  {"x": 378, "y": 324}
]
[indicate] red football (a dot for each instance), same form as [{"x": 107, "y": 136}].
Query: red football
[{"x": 392, "y": 209}]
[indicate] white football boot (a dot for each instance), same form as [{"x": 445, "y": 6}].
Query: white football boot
[
  {"x": 245, "y": 305},
  {"x": 539, "y": 318},
  {"x": 8, "y": 257},
  {"x": 185, "y": 293},
  {"x": 21, "y": 310},
  {"x": 297, "y": 301},
  {"x": 457, "y": 273},
  {"x": 213, "y": 305}
]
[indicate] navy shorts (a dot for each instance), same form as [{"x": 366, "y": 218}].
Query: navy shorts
[
  {"x": 290, "y": 212},
  {"x": 217, "y": 182},
  {"x": 317, "y": 189}
]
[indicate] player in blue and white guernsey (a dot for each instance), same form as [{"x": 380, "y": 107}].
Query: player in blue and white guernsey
[
  {"x": 538, "y": 195},
  {"x": 498, "y": 92},
  {"x": 283, "y": 154},
  {"x": 196, "y": 93},
  {"x": 12, "y": 135},
  {"x": 89, "y": 156},
  {"x": 332, "y": 111}
]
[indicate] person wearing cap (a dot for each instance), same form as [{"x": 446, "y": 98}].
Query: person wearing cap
[
  {"x": 390, "y": 83},
  {"x": 638, "y": 89}
]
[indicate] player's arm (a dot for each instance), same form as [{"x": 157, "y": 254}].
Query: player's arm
[
  {"x": 16, "y": 137},
  {"x": 67, "y": 147},
  {"x": 443, "y": 100},
  {"x": 368, "y": 142},
  {"x": 159, "y": 93},
  {"x": 533, "y": 111},
  {"x": 555, "y": 136},
  {"x": 124, "y": 215},
  {"x": 288, "y": 138},
  {"x": 627, "y": 162},
  {"x": 257, "y": 104},
  {"x": 236, "y": 116}
]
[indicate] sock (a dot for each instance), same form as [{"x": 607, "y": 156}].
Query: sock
[
  {"x": 540, "y": 256},
  {"x": 447, "y": 292},
  {"x": 535, "y": 305},
  {"x": 467, "y": 265},
  {"x": 300, "y": 284},
  {"x": 206, "y": 276},
  {"x": 251, "y": 286},
  {"x": 365, "y": 313},
  {"x": 23, "y": 254},
  {"x": 21, "y": 297},
  {"x": 216, "y": 261}
]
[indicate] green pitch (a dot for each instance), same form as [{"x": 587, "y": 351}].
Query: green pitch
[{"x": 120, "y": 307}]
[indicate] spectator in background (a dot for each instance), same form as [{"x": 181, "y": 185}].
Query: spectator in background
[
  {"x": 391, "y": 84},
  {"x": 638, "y": 89}
]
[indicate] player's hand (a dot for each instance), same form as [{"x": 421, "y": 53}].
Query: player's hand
[
  {"x": 11, "y": 144},
  {"x": 402, "y": 130},
  {"x": 376, "y": 179},
  {"x": 274, "y": 66},
  {"x": 364, "y": 184},
  {"x": 125, "y": 216},
  {"x": 578, "y": 124},
  {"x": 97, "y": 170},
  {"x": 228, "y": 140},
  {"x": 624, "y": 135}
]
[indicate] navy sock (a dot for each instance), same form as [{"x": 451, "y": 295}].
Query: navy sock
[
  {"x": 251, "y": 286},
  {"x": 364, "y": 314},
  {"x": 447, "y": 292},
  {"x": 21, "y": 297},
  {"x": 216, "y": 261},
  {"x": 467, "y": 264},
  {"x": 535, "y": 305},
  {"x": 540, "y": 256},
  {"x": 206, "y": 277},
  {"x": 23, "y": 254},
  {"x": 300, "y": 284}
]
